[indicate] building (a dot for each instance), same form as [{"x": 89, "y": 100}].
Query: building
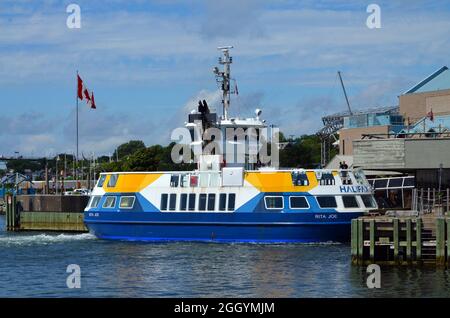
[{"x": 419, "y": 147}]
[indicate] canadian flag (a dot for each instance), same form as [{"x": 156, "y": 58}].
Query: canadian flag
[{"x": 83, "y": 93}]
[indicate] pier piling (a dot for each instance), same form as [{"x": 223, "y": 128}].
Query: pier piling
[{"x": 401, "y": 241}]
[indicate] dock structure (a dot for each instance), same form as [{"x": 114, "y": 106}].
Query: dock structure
[
  {"x": 45, "y": 213},
  {"x": 421, "y": 240}
]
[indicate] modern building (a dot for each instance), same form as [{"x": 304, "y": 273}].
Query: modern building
[{"x": 419, "y": 147}]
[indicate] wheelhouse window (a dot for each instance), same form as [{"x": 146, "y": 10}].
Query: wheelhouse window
[
  {"x": 174, "y": 180},
  {"x": 127, "y": 202},
  {"x": 110, "y": 202},
  {"x": 172, "y": 201},
  {"x": 211, "y": 201},
  {"x": 113, "y": 180},
  {"x": 163, "y": 206},
  {"x": 327, "y": 179},
  {"x": 326, "y": 202},
  {"x": 183, "y": 202},
  {"x": 101, "y": 180},
  {"x": 202, "y": 202},
  {"x": 222, "y": 201},
  {"x": 369, "y": 201},
  {"x": 231, "y": 201},
  {"x": 184, "y": 180},
  {"x": 94, "y": 201},
  {"x": 193, "y": 181},
  {"x": 274, "y": 203},
  {"x": 298, "y": 203},
  {"x": 191, "y": 201},
  {"x": 299, "y": 178},
  {"x": 350, "y": 201}
]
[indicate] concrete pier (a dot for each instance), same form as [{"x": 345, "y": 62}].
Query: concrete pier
[{"x": 45, "y": 213}]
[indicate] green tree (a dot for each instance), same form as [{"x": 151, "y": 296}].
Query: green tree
[{"x": 128, "y": 149}]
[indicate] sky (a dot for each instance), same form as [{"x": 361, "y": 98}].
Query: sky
[{"x": 148, "y": 63}]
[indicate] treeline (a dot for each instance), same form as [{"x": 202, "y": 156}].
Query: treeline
[{"x": 303, "y": 151}]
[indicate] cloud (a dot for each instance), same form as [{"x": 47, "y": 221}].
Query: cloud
[{"x": 286, "y": 56}]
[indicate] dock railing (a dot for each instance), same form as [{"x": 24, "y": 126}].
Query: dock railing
[{"x": 431, "y": 201}]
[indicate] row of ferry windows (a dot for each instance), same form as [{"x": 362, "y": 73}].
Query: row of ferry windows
[
  {"x": 300, "y": 202},
  {"x": 126, "y": 202},
  {"x": 205, "y": 202}
]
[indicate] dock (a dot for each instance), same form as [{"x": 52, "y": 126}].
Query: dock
[
  {"x": 420, "y": 240},
  {"x": 45, "y": 213}
]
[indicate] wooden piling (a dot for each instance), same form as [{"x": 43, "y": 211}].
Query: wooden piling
[
  {"x": 372, "y": 240},
  {"x": 418, "y": 239},
  {"x": 440, "y": 241},
  {"x": 408, "y": 240},
  {"x": 360, "y": 241},
  {"x": 354, "y": 242},
  {"x": 447, "y": 221},
  {"x": 396, "y": 240}
]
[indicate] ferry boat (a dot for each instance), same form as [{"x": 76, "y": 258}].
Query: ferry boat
[{"x": 225, "y": 200}]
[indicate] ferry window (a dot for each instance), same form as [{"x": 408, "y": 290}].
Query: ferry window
[
  {"x": 174, "y": 180},
  {"x": 298, "y": 203},
  {"x": 350, "y": 201},
  {"x": 299, "y": 179},
  {"x": 395, "y": 182},
  {"x": 110, "y": 202},
  {"x": 222, "y": 201},
  {"x": 113, "y": 180},
  {"x": 211, "y": 201},
  {"x": 183, "y": 201},
  {"x": 380, "y": 183},
  {"x": 202, "y": 202},
  {"x": 173, "y": 201},
  {"x": 184, "y": 181},
  {"x": 409, "y": 182},
  {"x": 273, "y": 202},
  {"x": 101, "y": 181},
  {"x": 326, "y": 202},
  {"x": 191, "y": 201},
  {"x": 194, "y": 181},
  {"x": 327, "y": 179},
  {"x": 163, "y": 202},
  {"x": 94, "y": 201},
  {"x": 231, "y": 201},
  {"x": 368, "y": 200},
  {"x": 127, "y": 202}
]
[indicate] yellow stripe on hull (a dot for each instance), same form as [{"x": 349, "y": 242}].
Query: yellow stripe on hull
[{"x": 131, "y": 182}]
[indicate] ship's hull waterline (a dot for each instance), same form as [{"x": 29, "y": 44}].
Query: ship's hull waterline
[{"x": 222, "y": 227}]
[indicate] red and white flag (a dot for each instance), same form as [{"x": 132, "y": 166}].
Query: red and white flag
[{"x": 83, "y": 93}]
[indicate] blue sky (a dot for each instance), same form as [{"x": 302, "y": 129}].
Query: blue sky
[{"x": 149, "y": 61}]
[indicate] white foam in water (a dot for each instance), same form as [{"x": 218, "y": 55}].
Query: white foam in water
[{"x": 43, "y": 239}]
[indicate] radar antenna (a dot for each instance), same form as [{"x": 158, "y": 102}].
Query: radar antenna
[{"x": 223, "y": 77}]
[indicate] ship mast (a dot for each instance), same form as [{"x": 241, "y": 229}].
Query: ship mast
[{"x": 224, "y": 78}]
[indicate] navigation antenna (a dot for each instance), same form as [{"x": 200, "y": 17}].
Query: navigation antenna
[{"x": 224, "y": 78}]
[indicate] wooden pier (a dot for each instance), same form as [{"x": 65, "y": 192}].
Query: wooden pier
[
  {"x": 384, "y": 240},
  {"x": 45, "y": 213}
]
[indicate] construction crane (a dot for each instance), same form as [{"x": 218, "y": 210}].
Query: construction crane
[
  {"x": 332, "y": 124},
  {"x": 345, "y": 93}
]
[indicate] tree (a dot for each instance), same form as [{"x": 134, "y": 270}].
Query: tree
[
  {"x": 146, "y": 159},
  {"x": 128, "y": 149}
]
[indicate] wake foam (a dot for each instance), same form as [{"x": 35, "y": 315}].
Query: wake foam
[{"x": 43, "y": 239}]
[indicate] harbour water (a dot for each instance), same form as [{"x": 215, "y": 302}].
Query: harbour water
[{"x": 34, "y": 265}]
